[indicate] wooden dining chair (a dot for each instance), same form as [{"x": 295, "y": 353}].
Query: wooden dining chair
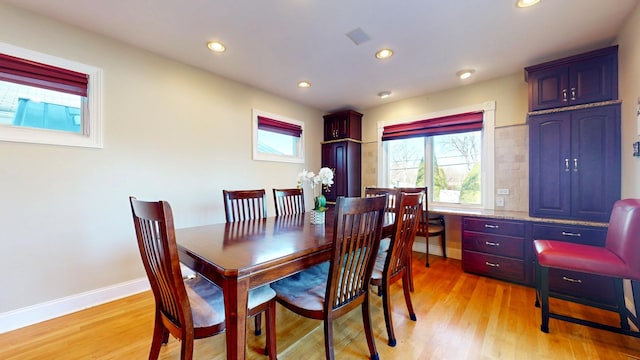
[
  {"x": 289, "y": 201},
  {"x": 244, "y": 204},
  {"x": 192, "y": 308},
  {"x": 394, "y": 264},
  {"x": 370, "y": 191},
  {"x": 328, "y": 291}
]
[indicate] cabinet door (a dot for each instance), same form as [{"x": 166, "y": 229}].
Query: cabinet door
[
  {"x": 342, "y": 125},
  {"x": 593, "y": 80},
  {"x": 595, "y": 162},
  {"x": 549, "y": 165},
  {"x": 548, "y": 88},
  {"x": 334, "y": 157}
]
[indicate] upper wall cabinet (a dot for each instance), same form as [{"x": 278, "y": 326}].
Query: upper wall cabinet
[
  {"x": 581, "y": 79},
  {"x": 343, "y": 125}
]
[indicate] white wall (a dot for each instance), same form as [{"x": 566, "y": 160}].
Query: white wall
[
  {"x": 629, "y": 66},
  {"x": 171, "y": 132}
]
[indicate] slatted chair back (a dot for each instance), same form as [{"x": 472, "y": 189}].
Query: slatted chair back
[
  {"x": 408, "y": 218},
  {"x": 356, "y": 238},
  {"x": 244, "y": 204},
  {"x": 377, "y": 191},
  {"x": 289, "y": 201}
]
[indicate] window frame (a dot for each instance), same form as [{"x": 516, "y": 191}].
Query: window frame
[
  {"x": 488, "y": 153},
  {"x": 260, "y": 156},
  {"x": 92, "y": 131}
]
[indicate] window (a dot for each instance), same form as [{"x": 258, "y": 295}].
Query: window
[
  {"x": 447, "y": 153},
  {"x": 48, "y": 100},
  {"x": 276, "y": 138}
]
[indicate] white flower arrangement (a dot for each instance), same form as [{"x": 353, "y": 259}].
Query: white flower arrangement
[{"x": 324, "y": 177}]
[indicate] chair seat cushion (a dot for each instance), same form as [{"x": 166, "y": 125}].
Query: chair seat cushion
[
  {"x": 384, "y": 245},
  {"x": 376, "y": 275},
  {"x": 306, "y": 289},
  {"x": 207, "y": 302},
  {"x": 577, "y": 257},
  {"x": 260, "y": 295},
  {"x": 435, "y": 229}
]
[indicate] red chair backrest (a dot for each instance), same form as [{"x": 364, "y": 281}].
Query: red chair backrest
[{"x": 623, "y": 235}]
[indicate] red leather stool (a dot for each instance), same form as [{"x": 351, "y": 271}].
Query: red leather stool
[{"x": 619, "y": 259}]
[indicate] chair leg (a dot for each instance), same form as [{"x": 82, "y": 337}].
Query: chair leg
[
  {"x": 407, "y": 296},
  {"x": 542, "y": 273},
  {"x": 427, "y": 238},
  {"x": 258, "y": 322},
  {"x": 186, "y": 348},
  {"x": 386, "y": 307},
  {"x": 443, "y": 241},
  {"x": 410, "y": 270},
  {"x": 159, "y": 334},
  {"x": 328, "y": 339},
  {"x": 270, "y": 316},
  {"x": 622, "y": 307},
  {"x": 368, "y": 330}
]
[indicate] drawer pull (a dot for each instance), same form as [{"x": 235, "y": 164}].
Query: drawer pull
[
  {"x": 577, "y": 281},
  {"x": 492, "y": 264},
  {"x": 566, "y": 233},
  {"x": 489, "y": 226},
  {"x": 491, "y": 243}
]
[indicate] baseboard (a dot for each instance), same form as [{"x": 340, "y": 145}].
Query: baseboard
[{"x": 33, "y": 314}]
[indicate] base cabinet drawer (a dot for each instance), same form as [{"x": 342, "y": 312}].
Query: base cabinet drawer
[
  {"x": 494, "y": 244},
  {"x": 493, "y": 265},
  {"x": 583, "y": 286}
]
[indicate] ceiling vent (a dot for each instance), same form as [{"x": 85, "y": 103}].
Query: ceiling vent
[{"x": 358, "y": 36}]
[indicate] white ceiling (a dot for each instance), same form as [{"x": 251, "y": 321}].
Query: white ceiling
[{"x": 273, "y": 44}]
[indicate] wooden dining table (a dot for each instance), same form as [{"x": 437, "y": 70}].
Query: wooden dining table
[{"x": 243, "y": 255}]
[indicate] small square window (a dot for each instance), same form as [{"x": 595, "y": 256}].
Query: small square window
[{"x": 276, "y": 138}]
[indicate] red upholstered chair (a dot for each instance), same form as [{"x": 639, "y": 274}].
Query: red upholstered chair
[{"x": 619, "y": 259}]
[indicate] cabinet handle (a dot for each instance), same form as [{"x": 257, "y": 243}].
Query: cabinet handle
[
  {"x": 492, "y": 264},
  {"x": 573, "y": 93},
  {"x": 577, "y": 281},
  {"x": 566, "y": 233},
  {"x": 491, "y": 243},
  {"x": 489, "y": 226},
  {"x": 575, "y": 164},
  {"x": 564, "y": 95},
  {"x": 566, "y": 164}
]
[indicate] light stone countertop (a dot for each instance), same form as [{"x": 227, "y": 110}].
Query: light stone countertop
[{"x": 508, "y": 215}]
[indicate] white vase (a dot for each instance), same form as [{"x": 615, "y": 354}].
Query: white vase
[{"x": 317, "y": 217}]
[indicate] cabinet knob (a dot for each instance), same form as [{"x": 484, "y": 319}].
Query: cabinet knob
[
  {"x": 575, "y": 164},
  {"x": 566, "y": 164},
  {"x": 564, "y": 95},
  {"x": 573, "y": 93}
]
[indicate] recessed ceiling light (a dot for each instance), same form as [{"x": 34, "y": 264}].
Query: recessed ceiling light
[
  {"x": 384, "y": 94},
  {"x": 216, "y": 46},
  {"x": 384, "y": 53},
  {"x": 304, "y": 84},
  {"x": 465, "y": 74},
  {"x": 526, "y": 3}
]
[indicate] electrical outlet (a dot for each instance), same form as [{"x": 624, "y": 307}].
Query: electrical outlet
[
  {"x": 503, "y": 191},
  {"x": 500, "y": 201}
]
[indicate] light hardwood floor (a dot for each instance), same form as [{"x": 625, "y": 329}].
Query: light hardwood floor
[{"x": 460, "y": 316}]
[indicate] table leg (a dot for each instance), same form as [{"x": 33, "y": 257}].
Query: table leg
[{"x": 236, "y": 294}]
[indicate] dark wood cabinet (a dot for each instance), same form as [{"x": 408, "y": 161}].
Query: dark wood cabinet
[
  {"x": 597, "y": 290},
  {"x": 345, "y": 124},
  {"x": 581, "y": 79},
  {"x": 575, "y": 163},
  {"x": 495, "y": 248},
  {"x": 344, "y": 158}
]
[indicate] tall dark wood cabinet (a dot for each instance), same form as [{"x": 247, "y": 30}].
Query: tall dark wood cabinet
[
  {"x": 582, "y": 79},
  {"x": 575, "y": 163},
  {"x": 342, "y": 152},
  {"x": 574, "y": 140}
]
